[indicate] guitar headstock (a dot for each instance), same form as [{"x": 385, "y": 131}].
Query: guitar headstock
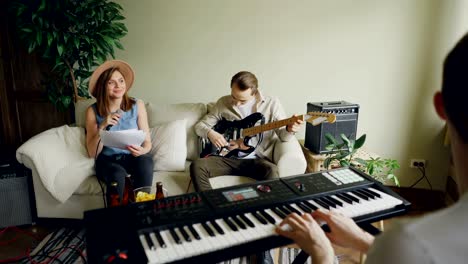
[{"x": 316, "y": 118}]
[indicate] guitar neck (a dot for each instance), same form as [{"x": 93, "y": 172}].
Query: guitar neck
[{"x": 273, "y": 125}]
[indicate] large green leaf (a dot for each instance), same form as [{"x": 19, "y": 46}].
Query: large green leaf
[
  {"x": 360, "y": 142},
  {"x": 331, "y": 139}
]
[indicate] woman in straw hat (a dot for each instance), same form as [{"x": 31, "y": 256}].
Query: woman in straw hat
[{"x": 114, "y": 110}]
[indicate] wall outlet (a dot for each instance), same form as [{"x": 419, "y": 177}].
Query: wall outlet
[{"x": 417, "y": 163}]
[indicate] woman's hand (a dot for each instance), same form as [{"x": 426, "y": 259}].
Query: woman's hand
[
  {"x": 136, "y": 150},
  {"x": 344, "y": 231},
  {"x": 217, "y": 139},
  {"x": 111, "y": 119},
  {"x": 309, "y": 236}
]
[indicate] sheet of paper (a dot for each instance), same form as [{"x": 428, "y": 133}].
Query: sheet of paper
[{"x": 123, "y": 138}]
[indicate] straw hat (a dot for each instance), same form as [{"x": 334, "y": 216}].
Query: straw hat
[{"x": 124, "y": 68}]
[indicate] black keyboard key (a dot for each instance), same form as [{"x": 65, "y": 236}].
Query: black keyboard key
[
  {"x": 278, "y": 212},
  {"x": 327, "y": 201},
  {"x": 161, "y": 241},
  {"x": 376, "y": 194},
  {"x": 208, "y": 229},
  {"x": 285, "y": 210},
  {"x": 217, "y": 227},
  {"x": 149, "y": 241},
  {"x": 304, "y": 207},
  {"x": 247, "y": 220},
  {"x": 175, "y": 236},
  {"x": 230, "y": 224},
  {"x": 335, "y": 201},
  {"x": 344, "y": 198},
  {"x": 292, "y": 209},
  {"x": 360, "y": 195},
  {"x": 319, "y": 202},
  {"x": 268, "y": 217},
  {"x": 366, "y": 194},
  {"x": 239, "y": 222},
  {"x": 259, "y": 218},
  {"x": 351, "y": 197},
  {"x": 185, "y": 234},
  {"x": 369, "y": 193},
  {"x": 310, "y": 205},
  {"x": 194, "y": 232}
]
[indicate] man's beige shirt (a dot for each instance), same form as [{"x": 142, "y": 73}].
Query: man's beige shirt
[{"x": 270, "y": 107}]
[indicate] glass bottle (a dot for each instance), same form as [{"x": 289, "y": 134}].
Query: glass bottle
[
  {"x": 159, "y": 190},
  {"x": 128, "y": 195},
  {"x": 114, "y": 197}
]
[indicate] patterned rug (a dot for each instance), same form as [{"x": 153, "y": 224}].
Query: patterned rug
[{"x": 65, "y": 245}]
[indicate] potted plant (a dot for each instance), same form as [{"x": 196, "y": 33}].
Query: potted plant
[
  {"x": 73, "y": 36},
  {"x": 343, "y": 155}
]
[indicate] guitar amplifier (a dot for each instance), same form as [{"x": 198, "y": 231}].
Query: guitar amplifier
[
  {"x": 15, "y": 200},
  {"x": 346, "y": 123}
]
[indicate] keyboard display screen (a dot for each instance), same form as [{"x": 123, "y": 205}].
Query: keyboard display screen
[{"x": 240, "y": 194}]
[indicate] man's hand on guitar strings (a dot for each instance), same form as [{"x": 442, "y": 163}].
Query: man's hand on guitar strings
[
  {"x": 294, "y": 127},
  {"x": 217, "y": 139}
]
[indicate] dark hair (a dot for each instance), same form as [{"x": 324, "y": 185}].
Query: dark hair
[
  {"x": 245, "y": 80},
  {"x": 455, "y": 87},
  {"x": 102, "y": 97}
]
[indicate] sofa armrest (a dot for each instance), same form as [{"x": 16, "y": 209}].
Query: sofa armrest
[{"x": 289, "y": 158}]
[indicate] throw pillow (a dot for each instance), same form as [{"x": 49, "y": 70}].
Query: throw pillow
[{"x": 169, "y": 146}]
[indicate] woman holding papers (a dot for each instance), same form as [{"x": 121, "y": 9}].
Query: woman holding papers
[{"x": 114, "y": 110}]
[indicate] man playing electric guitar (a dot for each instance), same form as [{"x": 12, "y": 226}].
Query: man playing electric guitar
[{"x": 245, "y": 99}]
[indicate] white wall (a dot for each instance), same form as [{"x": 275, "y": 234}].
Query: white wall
[{"x": 383, "y": 55}]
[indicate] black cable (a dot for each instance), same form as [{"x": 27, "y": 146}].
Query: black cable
[{"x": 423, "y": 176}]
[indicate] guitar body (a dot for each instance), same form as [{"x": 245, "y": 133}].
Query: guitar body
[{"x": 232, "y": 130}]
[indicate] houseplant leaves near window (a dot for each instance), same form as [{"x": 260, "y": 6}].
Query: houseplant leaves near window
[
  {"x": 73, "y": 36},
  {"x": 343, "y": 155}
]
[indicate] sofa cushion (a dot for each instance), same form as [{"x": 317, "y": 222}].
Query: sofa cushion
[
  {"x": 80, "y": 111},
  {"x": 192, "y": 112},
  {"x": 169, "y": 146}
]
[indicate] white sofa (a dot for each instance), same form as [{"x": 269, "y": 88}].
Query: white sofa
[{"x": 63, "y": 175}]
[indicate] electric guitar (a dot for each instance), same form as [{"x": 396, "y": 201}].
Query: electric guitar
[{"x": 246, "y": 128}]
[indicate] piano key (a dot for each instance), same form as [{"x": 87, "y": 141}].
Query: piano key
[
  {"x": 187, "y": 246},
  {"x": 328, "y": 202},
  {"x": 374, "y": 193},
  {"x": 239, "y": 222},
  {"x": 150, "y": 242},
  {"x": 229, "y": 236},
  {"x": 297, "y": 208},
  {"x": 246, "y": 220},
  {"x": 371, "y": 195},
  {"x": 175, "y": 236},
  {"x": 259, "y": 218},
  {"x": 230, "y": 223},
  {"x": 208, "y": 229},
  {"x": 154, "y": 240},
  {"x": 304, "y": 207},
  {"x": 285, "y": 210},
  {"x": 310, "y": 205},
  {"x": 344, "y": 198},
  {"x": 217, "y": 227},
  {"x": 291, "y": 209},
  {"x": 185, "y": 234},
  {"x": 352, "y": 198},
  {"x": 322, "y": 204},
  {"x": 339, "y": 203},
  {"x": 194, "y": 232},
  {"x": 149, "y": 253},
  {"x": 267, "y": 217},
  {"x": 360, "y": 195},
  {"x": 278, "y": 212}
]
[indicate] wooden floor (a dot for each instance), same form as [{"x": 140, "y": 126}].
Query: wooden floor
[{"x": 15, "y": 242}]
